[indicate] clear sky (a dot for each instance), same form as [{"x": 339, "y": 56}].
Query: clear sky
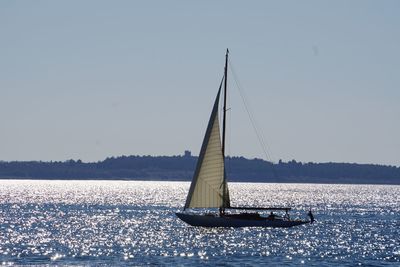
[{"x": 94, "y": 79}]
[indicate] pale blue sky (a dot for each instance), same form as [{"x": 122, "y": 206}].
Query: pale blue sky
[{"x": 93, "y": 79}]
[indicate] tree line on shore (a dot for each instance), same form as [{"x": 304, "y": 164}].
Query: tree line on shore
[{"x": 181, "y": 168}]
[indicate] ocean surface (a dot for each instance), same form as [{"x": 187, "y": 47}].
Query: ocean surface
[{"x": 133, "y": 223}]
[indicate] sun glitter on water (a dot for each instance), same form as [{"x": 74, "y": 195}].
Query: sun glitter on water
[{"x": 120, "y": 222}]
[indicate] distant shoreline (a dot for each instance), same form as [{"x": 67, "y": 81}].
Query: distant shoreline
[{"x": 181, "y": 168}]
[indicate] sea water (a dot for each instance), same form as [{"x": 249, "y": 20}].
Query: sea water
[{"x": 133, "y": 223}]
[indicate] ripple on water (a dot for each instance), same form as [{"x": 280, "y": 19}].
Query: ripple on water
[{"x": 118, "y": 222}]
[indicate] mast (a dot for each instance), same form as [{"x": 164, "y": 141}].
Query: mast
[
  {"x": 222, "y": 210},
  {"x": 224, "y": 109}
]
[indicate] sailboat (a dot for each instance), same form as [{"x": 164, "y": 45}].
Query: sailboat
[{"x": 209, "y": 187}]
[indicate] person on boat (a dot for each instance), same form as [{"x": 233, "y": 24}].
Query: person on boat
[
  {"x": 221, "y": 211},
  {"x": 271, "y": 216},
  {"x": 311, "y": 216}
]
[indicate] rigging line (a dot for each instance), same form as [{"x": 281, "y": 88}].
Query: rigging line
[
  {"x": 251, "y": 117},
  {"x": 249, "y": 113}
]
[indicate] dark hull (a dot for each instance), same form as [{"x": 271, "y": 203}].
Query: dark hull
[{"x": 237, "y": 220}]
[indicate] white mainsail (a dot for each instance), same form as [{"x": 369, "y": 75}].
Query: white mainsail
[{"x": 206, "y": 190}]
